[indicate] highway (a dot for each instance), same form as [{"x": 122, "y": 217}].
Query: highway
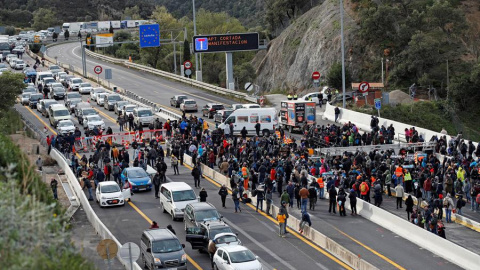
[{"x": 258, "y": 232}]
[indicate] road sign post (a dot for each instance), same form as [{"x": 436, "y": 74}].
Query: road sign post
[
  {"x": 98, "y": 70},
  {"x": 363, "y": 88},
  {"x": 129, "y": 252},
  {"x": 107, "y": 249}
]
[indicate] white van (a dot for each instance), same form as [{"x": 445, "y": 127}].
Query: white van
[
  {"x": 142, "y": 116},
  {"x": 175, "y": 196},
  {"x": 41, "y": 75},
  {"x": 249, "y": 117},
  {"x": 58, "y": 112}
]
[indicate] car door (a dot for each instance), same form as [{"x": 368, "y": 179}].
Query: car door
[
  {"x": 196, "y": 236},
  {"x": 224, "y": 263},
  {"x": 127, "y": 194},
  {"x": 98, "y": 193}
]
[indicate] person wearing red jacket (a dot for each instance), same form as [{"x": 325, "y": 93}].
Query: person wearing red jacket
[{"x": 364, "y": 188}]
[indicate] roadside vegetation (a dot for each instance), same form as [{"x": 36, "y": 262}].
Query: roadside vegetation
[{"x": 34, "y": 230}]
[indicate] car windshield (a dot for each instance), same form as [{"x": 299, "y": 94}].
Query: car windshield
[
  {"x": 129, "y": 108},
  {"x": 114, "y": 98},
  {"x": 89, "y": 112},
  {"x": 226, "y": 239},
  {"x": 26, "y": 95},
  {"x": 50, "y": 103},
  {"x": 210, "y": 214},
  {"x": 58, "y": 90},
  {"x": 77, "y": 81},
  {"x": 182, "y": 97},
  {"x": 99, "y": 91},
  {"x": 61, "y": 113},
  {"x": 121, "y": 104},
  {"x": 166, "y": 246},
  {"x": 242, "y": 256},
  {"x": 137, "y": 173},
  {"x": 54, "y": 67},
  {"x": 227, "y": 113},
  {"x": 36, "y": 97},
  {"x": 184, "y": 195},
  {"x": 47, "y": 81},
  {"x": 19, "y": 62},
  {"x": 57, "y": 85},
  {"x": 144, "y": 113},
  {"x": 218, "y": 107},
  {"x": 109, "y": 189},
  {"x": 94, "y": 118},
  {"x": 65, "y": 124},
  {"x": 74, "y": 102},
  {"x": 73, "y": 95},
  {"x": 215, "y": 231},
  {"x": 86, "y": 85}
]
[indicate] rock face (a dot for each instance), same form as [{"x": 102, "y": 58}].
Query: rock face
[{"x": 311, "y": 43}]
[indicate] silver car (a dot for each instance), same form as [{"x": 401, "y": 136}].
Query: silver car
[{"x": 188, "y": 105}]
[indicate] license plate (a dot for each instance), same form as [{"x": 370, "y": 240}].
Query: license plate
[
  {"x": 142, "y": 189},
  {"x": 114, "y": 201},
  {"x": 171, "y": 268}
]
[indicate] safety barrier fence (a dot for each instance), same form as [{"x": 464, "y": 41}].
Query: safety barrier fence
[{"x": 125, "y": 139}]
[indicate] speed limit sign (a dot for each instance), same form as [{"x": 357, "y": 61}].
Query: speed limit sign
[{"x": 97, "y": 69}]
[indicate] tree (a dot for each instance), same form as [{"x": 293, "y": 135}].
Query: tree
[
  {"x": 122, "y": 36},
  {"x": 44, "y": 18},
  {"x": 10, "y": 30},
  {"x": 186, "y": 51},
  {"x": 12, "y": 85},
  {"x": 66, "y": 34},
  {"x": 132, "y": 12},
  {"x": 334, "y": 76}
]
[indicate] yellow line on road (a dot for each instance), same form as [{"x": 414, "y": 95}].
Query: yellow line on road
[
  {"x": 41, "y": 120},
  {"x": 194, "y": 263},
  {"x": 294, "y": 233},
  {"x": 105, "y": 115}
]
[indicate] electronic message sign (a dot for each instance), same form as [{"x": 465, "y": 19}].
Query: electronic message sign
[{"x": 225, "y": 43}]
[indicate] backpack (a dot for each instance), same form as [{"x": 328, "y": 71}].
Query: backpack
[
  {"x": 363, "y": 188},
  {"x": 254, "y": 193},
  {"x": 478, "y": 198}
]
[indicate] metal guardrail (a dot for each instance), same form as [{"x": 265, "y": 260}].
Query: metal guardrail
[
  {"x": 368, "y": 148},
  {"x": 182, "y": 79}
]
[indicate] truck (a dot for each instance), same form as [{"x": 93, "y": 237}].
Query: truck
[
  {"x": 248, "y": 118},
  {"x": 73, "y": 27},
  {"x": 296, "y": 114},
  {"x": 116, "y": 24},
  {"x": 103, "y": 25},
  {"x": 128, "y": 24}
]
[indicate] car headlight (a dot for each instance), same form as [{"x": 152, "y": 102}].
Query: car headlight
[
  {"x": 103, "y": 197},
  {"x": 149, "y": 181},
  {"x": 178, "y": 210},
  {"x": 133, "y": 184},
  {"x": 157, "y": 260},
  {"x": 184, "y": 257}
]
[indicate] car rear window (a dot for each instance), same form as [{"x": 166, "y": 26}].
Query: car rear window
[{"x": 218, "y": 107}]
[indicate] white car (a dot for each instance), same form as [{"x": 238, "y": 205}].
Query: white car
[
  {"x": 92, "y": 121},
  {"x": 12, "y": 60},
  {"x": 19, "y": 64},
  {"x": 128, "y": 109},
  {"x": 108, "y": 193},
  {"x": 94, "y": 93},
  {"x": 10, "y": 56},
  {"x": 85, "y": 88},
  {"x": 188, "y": 105},
  {"x": 65, "y": 126},
  {"x": 99, "y": 98},
  {"x": 235, "y": 258},
  {"x": 74, "y": 84},
  {"x": 18, "y": 49},
  {"x": 226, "y": 239}
]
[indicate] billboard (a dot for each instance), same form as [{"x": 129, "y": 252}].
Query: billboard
[
  {"x": 101, "y": 39},
  {"x": 225, "y": 43}
]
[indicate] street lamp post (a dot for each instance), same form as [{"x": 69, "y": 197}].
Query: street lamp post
[
  {"x": 198, "y": 78},
  {"x": 343, "y": 53}
]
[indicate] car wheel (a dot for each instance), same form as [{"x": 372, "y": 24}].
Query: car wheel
[
  {"x": 266, "y": 132},
  {"x": 163, "y": 208}
]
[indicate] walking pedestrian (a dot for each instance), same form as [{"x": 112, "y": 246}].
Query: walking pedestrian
[
  {"x": 87, "y": 184},
  {"x": 399, "y": 194},
  {"x": 269, "y": 199},
  {"x": 236, "y": 199},
  {"x": 174, "y": 162},
  {"x": 303, "y": 193},
  {"x": 341, "y": 199},
  {"x": 53, "y": 185},
  {"x": 203, "y": 195},
  {"x": 353, "y": 201},
  {"x": 156, "y": 183},
  {"x": 448, "y": 204},
  {"x": 332, "y": 193},
  {"x": 196, "y": 176},
  {"x": 39, "y": 163},
  {"x": 282, "y": 220},
  {"x": 409, "y": 206},
  {"x": 223, "y": 192},
  {"x": 212, "y": 248},
  {"x": 312, "y": 196},
  {"x": 260, "y": 197}
]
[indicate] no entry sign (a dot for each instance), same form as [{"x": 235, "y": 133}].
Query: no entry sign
[
  {"x": 363, "y": 87},
  {"x": 98, "y": 69},
  {"x": 316, "y": 75}
]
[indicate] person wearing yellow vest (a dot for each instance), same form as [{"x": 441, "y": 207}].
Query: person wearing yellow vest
[
  {"x": 461, "y": 174},
  {"x": 205, "y": 125},
  {"x": 282, "y": 219},
  {"x": 408, "y": 182},
  {"x": 289, "y": 97},
  {"x": 321, "y": 189}
]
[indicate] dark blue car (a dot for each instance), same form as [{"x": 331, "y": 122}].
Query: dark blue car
[{"x": 139, "y": 179}]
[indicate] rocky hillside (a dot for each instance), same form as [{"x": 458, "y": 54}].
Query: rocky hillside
[{"x": 311, "y": 43}]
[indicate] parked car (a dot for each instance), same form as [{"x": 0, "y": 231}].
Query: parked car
[
  {"x": 65, "y": 127},
  {"x": 176, "y": 100},
  {"x": 199, "y": 236},
  {"x": 198, "y": 212},
  {"x": 19, "y": 64},
  {"x": 85, "y": 88},
  {"x": 160, "y": 249},
  {"x": 91, "y": 121},
  {"x": 118, "y": 107},
  {"x": 128, "y": 109},
  {"x": 110, "y": 100},
  {"x": 188, "y": 105},
  {"x": 24, "y": 98},
  {"x": 84, "y": 112},
  {"x": 72, "y": 95},
  {"x": 138, "y": 177},
  {"x": 95, "y": 92},
  {"x": 222, "y": 115},
  {"x": 108, "y": 193},
  {"x": 235, "y": 257},
  {"x": 174, "y": 197},
  {"x": 33, "y": 100},
  {"x": 211, "y": 109},
  {"x": 71, "y": 103}
]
